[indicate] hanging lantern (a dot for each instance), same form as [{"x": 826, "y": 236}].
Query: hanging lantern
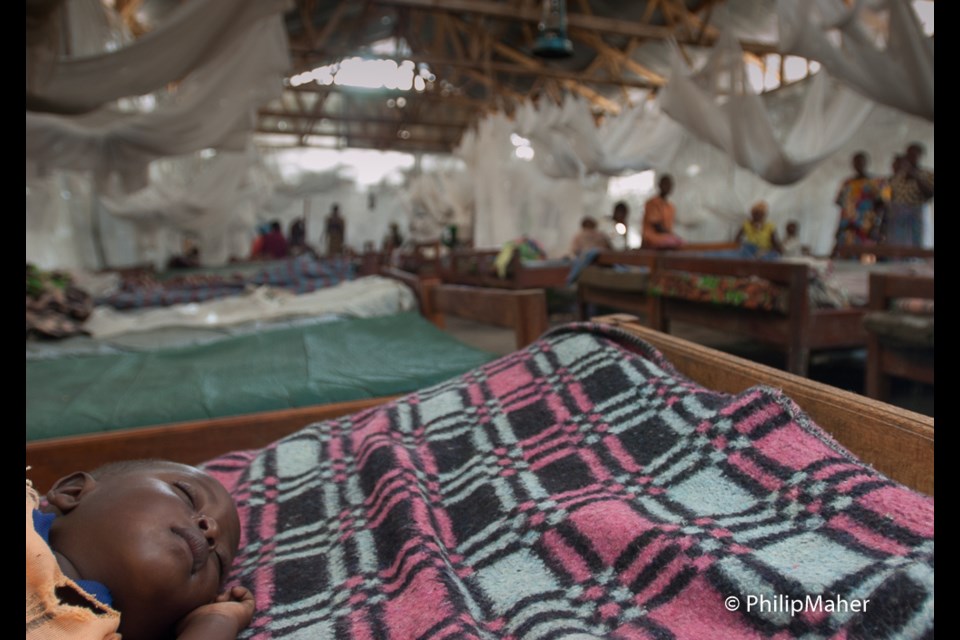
[{"x": 552, "y": 41}]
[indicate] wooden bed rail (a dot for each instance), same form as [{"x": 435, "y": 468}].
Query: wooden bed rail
[
  {"x": 884, "y": 251},
  {"x": 897, "y": 442},
  {"x": 886, "y": 360},
  {"x": 886, "y": 286},
  {"x": 524, "y": 310},
  {"x": 187, "y": 442}
]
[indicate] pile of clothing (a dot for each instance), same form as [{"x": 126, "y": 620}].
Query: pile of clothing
[{"x": 56, "y": 306}]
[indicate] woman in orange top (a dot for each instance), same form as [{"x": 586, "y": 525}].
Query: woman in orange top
[{"x": 658, "y": 214}]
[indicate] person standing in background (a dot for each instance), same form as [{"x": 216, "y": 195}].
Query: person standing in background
[
  {"x": 334, "y": 231},
  {"x": 863, "y": 202},
  {"x": 911, "y": 187},
  {"x": 393, "y": 239}
]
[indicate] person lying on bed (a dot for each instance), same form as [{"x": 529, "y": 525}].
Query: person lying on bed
[{"x": 140, "y": 547}]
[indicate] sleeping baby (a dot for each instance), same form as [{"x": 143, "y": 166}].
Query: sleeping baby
[{"x": 136, "y": 548}]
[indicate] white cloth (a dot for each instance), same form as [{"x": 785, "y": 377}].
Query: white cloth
[
  {"x": 569, "y": 144},
  {"x": 186, "y": 40},
  {"x": 899, "y": 74},
  {"x": 717, "y": 105},
  {"x": 366, "y": 297},
  {"x": 213, "y": 107}
]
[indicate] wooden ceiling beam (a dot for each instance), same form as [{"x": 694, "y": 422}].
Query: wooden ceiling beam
[
  {"x": 596, "y": 42},
  {"x": 452, "y": 98},
  {"x": 441, "y": 145},
  {"x": 305, "y": 7},
  {"x": 320, "y": 42},
  {"x": 509, "y": 52},
  {"x": 550, "y": 72},
  {"x": 363, "y": 119},
  {"x": 598, "y": 24}
]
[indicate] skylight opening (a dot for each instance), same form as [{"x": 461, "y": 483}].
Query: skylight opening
[{"x": 370, "y": 73}]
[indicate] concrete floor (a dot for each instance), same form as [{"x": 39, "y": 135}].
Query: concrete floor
[{"x": 842, "y": 369}]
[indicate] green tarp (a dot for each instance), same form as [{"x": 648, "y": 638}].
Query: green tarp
[{"x": 277, "y": 369}]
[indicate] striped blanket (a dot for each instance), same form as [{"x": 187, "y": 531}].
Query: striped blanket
[
  {"x": 303, "y": 274},
  {"x": 580, "y": 488}
]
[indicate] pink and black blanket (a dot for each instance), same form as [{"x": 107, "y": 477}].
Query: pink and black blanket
[{"x": 580, "y": 488}]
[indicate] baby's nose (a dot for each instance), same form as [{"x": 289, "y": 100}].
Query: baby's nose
[{"x": 210, "y": 528}]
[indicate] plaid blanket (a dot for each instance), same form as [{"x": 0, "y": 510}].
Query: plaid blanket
[
  {"x": 580, "y": 488},
  {"x": 303, "y": 274}
]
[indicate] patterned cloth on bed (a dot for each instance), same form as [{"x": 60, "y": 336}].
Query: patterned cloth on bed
[
  {"x": 303, "y": 274},
  {"x": 748, "y": 293},
  {"x": 580, "y": 488}
]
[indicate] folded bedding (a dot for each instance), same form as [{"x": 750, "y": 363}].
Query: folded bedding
[
  {"x": 579, "y": 488},
  {"x": 269, "y": 370}
]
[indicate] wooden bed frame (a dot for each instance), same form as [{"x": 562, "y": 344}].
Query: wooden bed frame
[
  {"x": 802, "y": 330},
  {"x": 421, "y": 257},
  {"x": 897, "y": 442},
  {"x": 885, "y": 360},
  {"x": 196, "y": 441},
  {"x": 475, "y": 267},
  {"x": 896, "y": 252},
  {"x": 632, "y": 301},
  {"x": 524, "y": 310}
]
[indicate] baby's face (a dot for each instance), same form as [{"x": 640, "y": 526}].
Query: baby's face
[{"x": 161, "y": 538}]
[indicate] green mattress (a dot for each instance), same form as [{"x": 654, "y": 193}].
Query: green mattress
[{"x": 277, "y": 369}]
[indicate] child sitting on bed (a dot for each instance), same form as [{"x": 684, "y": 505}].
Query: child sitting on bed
[
  {"x": 791, "y": 245},
  {"x": 140, "y": 548}
]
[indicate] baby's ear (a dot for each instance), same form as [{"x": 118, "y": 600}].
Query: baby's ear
[{"x": 66, "y": 493}]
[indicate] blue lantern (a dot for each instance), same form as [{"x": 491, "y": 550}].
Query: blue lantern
[{"x": 552, "y": 41}]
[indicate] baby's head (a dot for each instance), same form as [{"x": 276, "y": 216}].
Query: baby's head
[
  {"x": 161, "y": 536},
  {"x": 758, "y": 212}
]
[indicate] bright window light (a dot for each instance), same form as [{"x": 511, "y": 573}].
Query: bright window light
[
  {"x": 755, "y": 77},
  {"x": 638, "y": 183},
  {"x": 771, "y": 74},
  {"x": 365, "y": 166},
  {"x": 794, "y": 68},
  {"x": 524, "y": 153},
  {"x": 519, "y": 141},
  {"x": 924, "y": 9},
  {"x": 369, "y": 74}
]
